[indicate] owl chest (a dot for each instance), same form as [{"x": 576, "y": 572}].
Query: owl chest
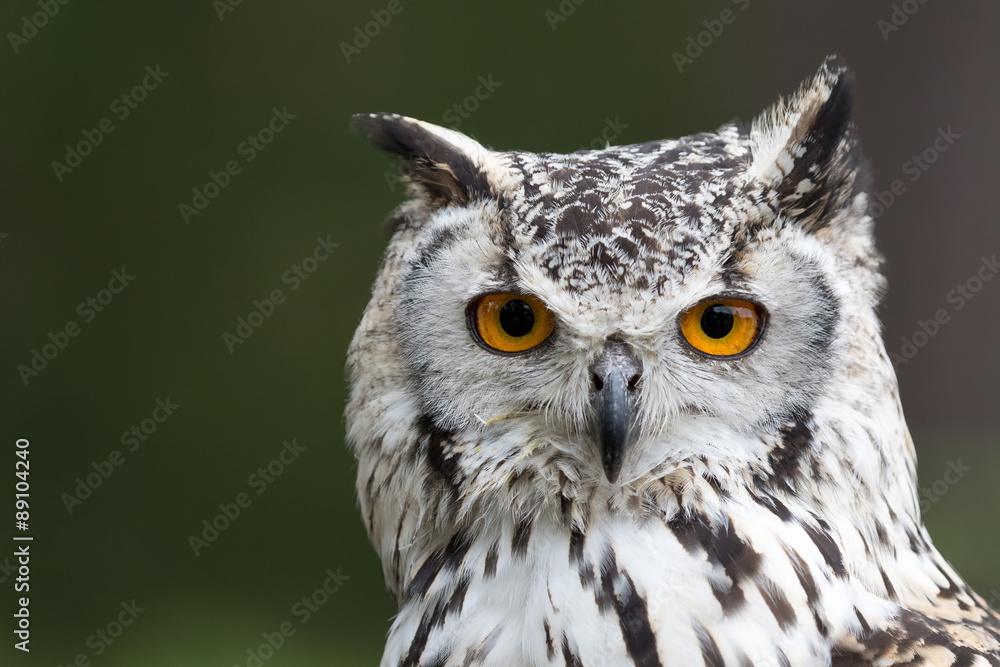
[{"x": 613, "y": 595}]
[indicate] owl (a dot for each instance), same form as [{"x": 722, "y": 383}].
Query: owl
[{"x": 632, "y": 406}]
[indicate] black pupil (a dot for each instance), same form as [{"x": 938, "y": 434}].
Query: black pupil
[
  {"x": 517, "y": 318},
  {"x": 717, "y": 321}
]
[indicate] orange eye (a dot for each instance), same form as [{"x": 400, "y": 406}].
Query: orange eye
[
  {"x": 510, "y": 323},
  {"x": 723, "y": 327}
]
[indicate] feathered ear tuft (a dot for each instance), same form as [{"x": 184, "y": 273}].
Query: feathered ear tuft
[
  {"x": 805, "y": 149},
  {"x": 444, "y": 164}
]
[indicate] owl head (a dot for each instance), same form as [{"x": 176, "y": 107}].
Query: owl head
[{"x": 553, "y": 330}]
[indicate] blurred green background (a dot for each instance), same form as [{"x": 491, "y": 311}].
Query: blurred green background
[{"x": 564, "y": 72}]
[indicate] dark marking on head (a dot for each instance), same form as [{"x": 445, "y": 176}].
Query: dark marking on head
[
  {"x": 826, "y": 323},
  {"x": 734, "y": 279},
  {"x": 619, "y": 213},
  {"x": 439, "y": 240}
]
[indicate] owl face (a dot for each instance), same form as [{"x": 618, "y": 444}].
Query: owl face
[{"x": 626, "y": 311}]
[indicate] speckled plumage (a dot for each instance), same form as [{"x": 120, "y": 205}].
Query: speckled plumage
[{"x": 766, "y": 513}]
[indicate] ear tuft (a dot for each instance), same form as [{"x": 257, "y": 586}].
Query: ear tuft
[
  {"x": 443, "y": 164},
  {"x": 804, "y": 147}
]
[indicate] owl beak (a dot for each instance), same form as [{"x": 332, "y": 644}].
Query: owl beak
[{"x": 614, "y": 397}]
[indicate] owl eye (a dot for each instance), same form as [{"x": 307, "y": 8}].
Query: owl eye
[
  {"x": 723, "y": 327},
  {"x": 509, "y": 323}
]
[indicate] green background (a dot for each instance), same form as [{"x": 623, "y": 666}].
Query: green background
[{"x": 162, "y": 335}]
